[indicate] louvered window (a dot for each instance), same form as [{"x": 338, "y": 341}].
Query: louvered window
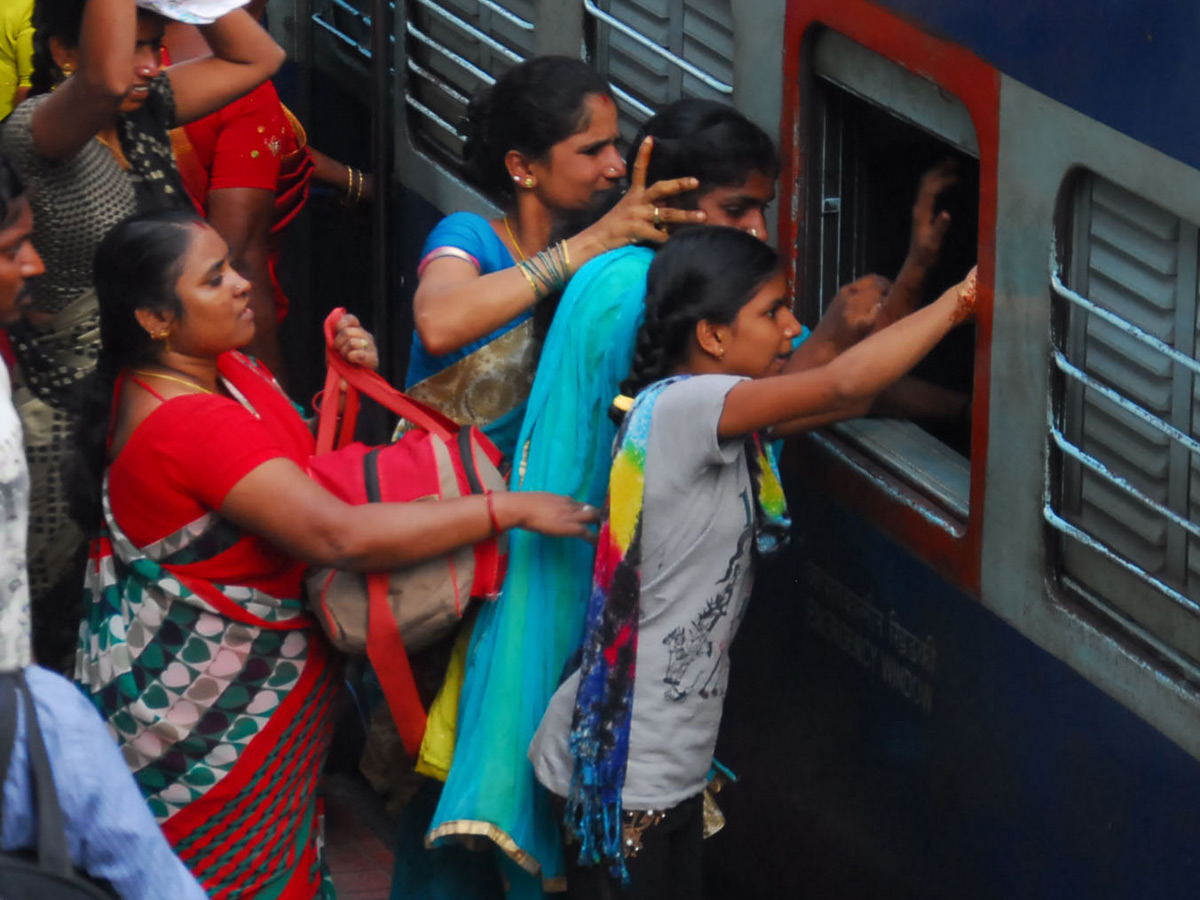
[
  {"x": 654, "y": 52},
  {"x": 1126, "y": 503},
  {"x": 453, "y": 48}
]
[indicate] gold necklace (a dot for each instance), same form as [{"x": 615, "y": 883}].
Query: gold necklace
[
  {"x": 513, "y": 237},
  {"x": 116, "y": 151},
  {"x": 184, "y": 382}
]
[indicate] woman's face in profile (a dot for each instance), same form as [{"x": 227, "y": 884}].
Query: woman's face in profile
[
  {"x": 743, "y": 206},
  {"x": 214, "y": 298},
  {"x": 579, "y": 167}
]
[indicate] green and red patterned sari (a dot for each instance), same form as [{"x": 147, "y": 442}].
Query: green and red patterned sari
[{"x": 218, "y": 694}]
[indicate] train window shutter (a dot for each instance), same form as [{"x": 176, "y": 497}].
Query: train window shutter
[
  {"x": 1124, "y": 431},
  {"x": 654, "y": 52},
  {"x": 453, "y": 48}
]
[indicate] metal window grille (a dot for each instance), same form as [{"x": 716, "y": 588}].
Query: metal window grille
[
  {"x": 349, "y": 24},
  {"x": 656, "y": 51},
  {"x": 453, "y": 48},
  {"x": 1123, "y": 496}
]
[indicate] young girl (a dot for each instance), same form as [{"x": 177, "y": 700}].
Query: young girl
[{"x": 693, "y": 500}]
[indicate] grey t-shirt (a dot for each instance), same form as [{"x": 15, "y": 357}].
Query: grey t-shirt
[{"x": 697, "y": 570}]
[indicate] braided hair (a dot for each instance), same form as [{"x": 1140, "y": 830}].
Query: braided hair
[
  {"x": 137, "y": 267},
  {"x": 61, "y": 19},
  {"x": 532, "y": 107},
  {"x": 700, "y": 274}
]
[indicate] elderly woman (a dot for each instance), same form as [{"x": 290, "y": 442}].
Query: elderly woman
[
  {"x": 197, "y": 647},
  {"x": 91, "y": 143}
]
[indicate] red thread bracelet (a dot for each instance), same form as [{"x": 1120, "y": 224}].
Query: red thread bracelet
[{"x": 491, "y": 510}]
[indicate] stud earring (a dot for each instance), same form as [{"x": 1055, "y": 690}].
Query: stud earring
[
  {"x": 517, "y": 179},
  {"x": 161, "y": 335},
  {"x": 68, "y": 70},
  {"x": 528, "y": 182}
]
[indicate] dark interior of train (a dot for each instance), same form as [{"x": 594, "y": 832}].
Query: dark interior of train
[{"x": 874, "y": 161}]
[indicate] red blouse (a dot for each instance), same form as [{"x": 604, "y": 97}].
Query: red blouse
[{"x": 183, "y": 459}]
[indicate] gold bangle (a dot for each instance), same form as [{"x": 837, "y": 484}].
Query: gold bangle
[
  {"x": 537, "y": 292},
  {"x": 566, "y": 255}
]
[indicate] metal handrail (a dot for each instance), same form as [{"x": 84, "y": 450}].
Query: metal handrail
[
  {"x": 432, "y": 116},
  {"x": 676, "y": 60},
  {"x": 1072, "y": 371},
  {"x": 523, "y": 24},
  {"x": 460, "y": 60},
  {"x": 470, "y": 29},
  {"x": 1058, "y": 523},
  {"x": 1096, "y": 466},
  {"x": 437, "y": 81},
  {"x": 1125, "y": 326}
]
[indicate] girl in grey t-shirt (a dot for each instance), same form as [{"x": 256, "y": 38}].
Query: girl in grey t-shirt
[{"x": 627, "y": 740}]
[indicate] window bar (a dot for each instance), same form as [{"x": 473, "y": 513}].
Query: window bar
[
  {"x": 714, "y": 83},
  {"x": 1127, "y": 327},
  {"x": 1063, "y": 526},
  {"x": 460, "y": 60},
  {"x": 630, "y": 100},
  {"x": 432, "y": 116},
  {"x": 508, "y": 14},
  {"x": 1096, "y": 466},
  {"x": 437, "y": 81},
  {"x": 1072, "y": 371},
  {"x": 470, "y": 29},
  {"x": 365, "y": 52}
]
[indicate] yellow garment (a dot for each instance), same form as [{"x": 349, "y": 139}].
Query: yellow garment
[
  {"x": 16, "y": 50},
  {"x": 437, "y": 747}
]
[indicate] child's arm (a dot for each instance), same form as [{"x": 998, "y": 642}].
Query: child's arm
[{"x": 845, "y": 387}]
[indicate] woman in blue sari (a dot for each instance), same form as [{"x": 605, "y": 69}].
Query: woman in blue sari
[
  {"x": 542, "y": 141},
  {"x": 522, "y": 644}
]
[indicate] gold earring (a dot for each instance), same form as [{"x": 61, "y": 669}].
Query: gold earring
[
  {"x": 161, "y": 335},
  {"x": 68, "y": 70},
  {"x": 528, "y": 182}
]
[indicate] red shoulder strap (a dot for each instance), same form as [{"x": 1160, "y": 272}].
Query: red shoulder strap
[{"x": 385, "y": 649}]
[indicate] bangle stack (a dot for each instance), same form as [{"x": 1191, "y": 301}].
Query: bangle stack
[
  {"x": 354, "y": 187},
  {"x": 548, "y": 271}
]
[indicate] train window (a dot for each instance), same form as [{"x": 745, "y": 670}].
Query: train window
[
  {"x": 452, "y": 48},
  {"x": 656, "y": 51},
  {"x": 876, "y": 127},
  {"x": 1125, "y": 494}
]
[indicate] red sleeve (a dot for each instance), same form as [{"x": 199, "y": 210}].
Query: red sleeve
[
  {"x": 206, "y": 445},
  {"x": 250, "y": 141}
]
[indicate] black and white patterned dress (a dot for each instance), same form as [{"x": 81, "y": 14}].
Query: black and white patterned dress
[{"x": 75, "y": 203}]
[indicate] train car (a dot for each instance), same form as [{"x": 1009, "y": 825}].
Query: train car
[{"x": 976, "y": 673}]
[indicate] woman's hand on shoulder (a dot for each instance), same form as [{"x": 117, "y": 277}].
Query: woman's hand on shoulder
[
  {"x": 354, "y": 343},
  {"x": 546, "y": 513},
  {"x": 641, "y": 215}
]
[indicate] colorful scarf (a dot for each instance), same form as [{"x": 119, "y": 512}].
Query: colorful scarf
[{"x": 599, "y": 738}]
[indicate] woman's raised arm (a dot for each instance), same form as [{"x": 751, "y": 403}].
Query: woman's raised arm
[
  {"x": 243, "y": 57},
  {"x": 844, "y": 387},
  {"x": 279, "y": 502},
  {"x": 455, "y": 305},
  {"x": 89, "y": 101}
]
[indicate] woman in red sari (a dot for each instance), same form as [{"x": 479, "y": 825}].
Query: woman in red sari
[{"x": 197, "y": 647}]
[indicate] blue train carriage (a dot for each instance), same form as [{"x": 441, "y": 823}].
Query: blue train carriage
[{"x": 976, "y": 673}]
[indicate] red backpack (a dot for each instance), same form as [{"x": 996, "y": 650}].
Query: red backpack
[{"x": 388, "y": 614}]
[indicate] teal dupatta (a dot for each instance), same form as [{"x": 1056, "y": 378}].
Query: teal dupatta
[{"x": 521, "y": 643}]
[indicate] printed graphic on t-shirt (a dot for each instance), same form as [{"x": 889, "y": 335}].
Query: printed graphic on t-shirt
[{"x": 697, "y": 651}]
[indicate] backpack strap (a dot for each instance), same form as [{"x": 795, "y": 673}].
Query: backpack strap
[
  {"x": 385, "y": 650},
  {"x": 8, "y": 729},
  {"x": 53, "y": 854}
]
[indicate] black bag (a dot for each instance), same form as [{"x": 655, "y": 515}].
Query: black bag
[{"x": 46, "y": 874}]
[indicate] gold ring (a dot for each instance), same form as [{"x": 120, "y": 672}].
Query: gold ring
[{"x": 657, "y": 218}]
